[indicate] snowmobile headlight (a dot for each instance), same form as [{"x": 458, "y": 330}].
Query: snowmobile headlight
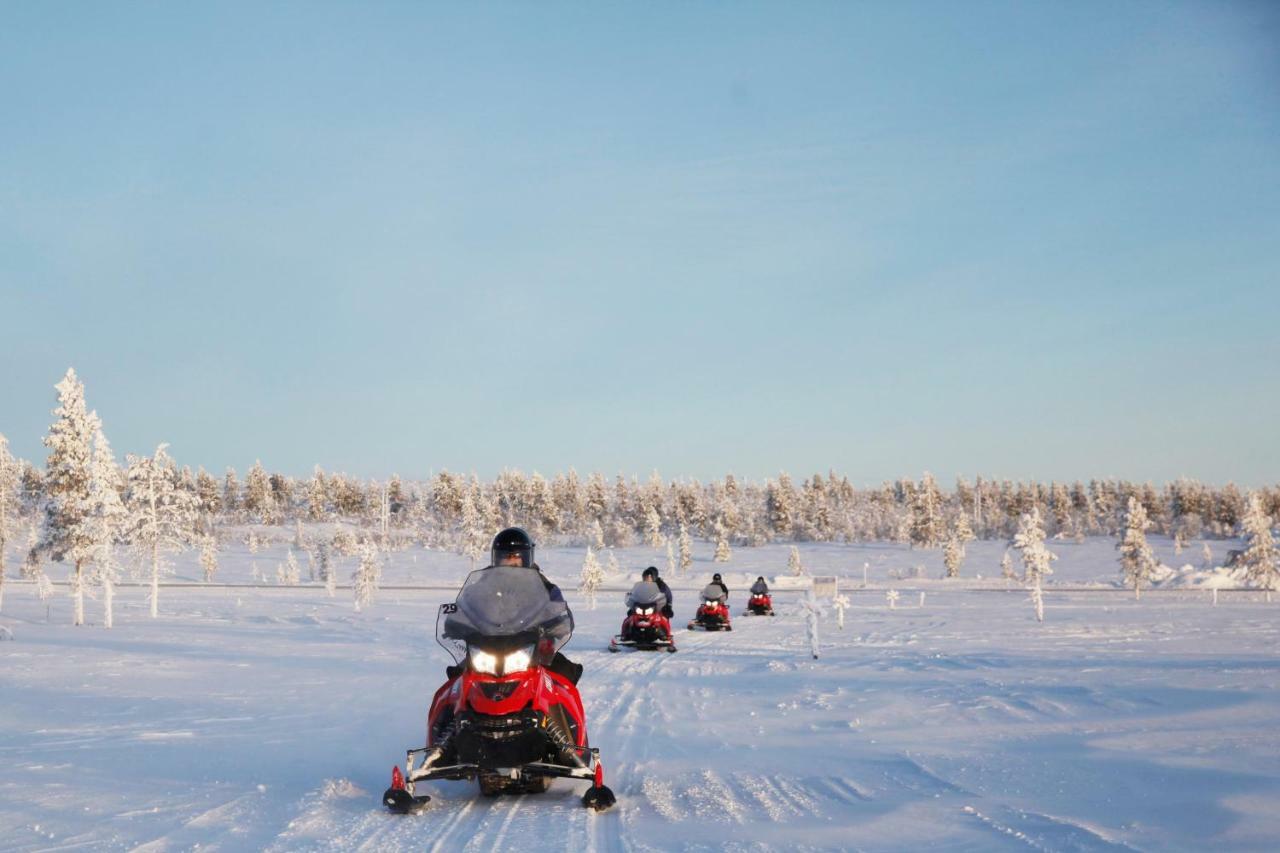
[
  {"x": 711, "y": 602},
  {"x": 644, "y": 611},
  {"x": 484, "y": 662},
  {"x": 517, "y": 661}
]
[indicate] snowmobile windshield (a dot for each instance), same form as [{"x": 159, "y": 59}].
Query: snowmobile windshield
[
  {"x": 646, "y": 594},
  {"x": 503, "y": 608},
  {"x": 712, "y": 592}
]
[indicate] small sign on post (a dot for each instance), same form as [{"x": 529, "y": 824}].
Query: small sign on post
[{"x": 825, "y": 586}]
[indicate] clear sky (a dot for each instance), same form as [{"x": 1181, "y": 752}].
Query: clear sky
[{"x": 1035, "y": 239}]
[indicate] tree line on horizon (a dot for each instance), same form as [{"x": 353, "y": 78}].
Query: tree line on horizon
[{"x": 82, "y": 502}]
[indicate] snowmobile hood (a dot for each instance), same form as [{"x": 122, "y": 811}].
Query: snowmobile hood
[{"x": 646, "y": 594}]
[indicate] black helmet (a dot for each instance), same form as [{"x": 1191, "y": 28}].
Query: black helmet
[
  {"x": 651, "y": 572},
  {"x": 513, "y": 540},
  {"x": 760, "y": 579},
  {"x": 716, "y": 577}
]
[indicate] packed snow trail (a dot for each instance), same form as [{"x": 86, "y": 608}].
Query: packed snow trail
[{"x": 270, "y": 720}]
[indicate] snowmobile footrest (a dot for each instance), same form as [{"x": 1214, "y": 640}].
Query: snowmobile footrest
[
  {"x": 599, "y": 797},
  {"x": 400, "y": 801}
]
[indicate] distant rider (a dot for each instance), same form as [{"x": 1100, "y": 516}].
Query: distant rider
[
  {"x": 715, "y": 579},
  {"x": 760, "y": 587},
  {"x": 651, "y": 574}
]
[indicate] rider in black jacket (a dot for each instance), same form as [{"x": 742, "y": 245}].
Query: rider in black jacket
[
  {"x": 651, "y": 574},
  {"x": 715, "y": 579},
  {"x": 514, "y": 547}
]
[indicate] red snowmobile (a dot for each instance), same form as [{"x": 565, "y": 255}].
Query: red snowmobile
[
  {"x": 759, "y": 605},
  {"x": 645, "y": 627},
  {"x": 504, "y": 719},
  {"x": 713, "y": 614}
]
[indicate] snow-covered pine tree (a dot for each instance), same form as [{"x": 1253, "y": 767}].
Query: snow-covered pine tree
[
  {"x": 259, "y": 501},
  {"x": 1259, "y": 559},
  {"x": 1206, "y": 556},
  {"x": 591, "y": 578},
  {"x": 611, "y": 564},
  {"x": 104, "y": 519},
  {"x": 1036, "y": 558},
  {"x": 160, "y": 516},
  {"x": 64, "y": 535},
  {"x": 723, "y": 552},
  {"x": 671, "y": 559},
  {"x": 952, "y": 555},
  {"x": 1137, "y": 563},
  {"x": 953, "y": 550},
  {"x": 1006, "y": 566},
  {"x": 288, "y": 573},
  {"x": 327, "y": 574},
  {"x": 209, "y": 497},
  {"x": 317, "y": 496},
  {"x": 926, "y": 514},
  {"x": 472, "y": 537},
  {"x": 230, "y": 491},
  {"x": 209, "y": 556},
  {"x": 793, "y": 562},
  {"x": 686, "y": 550},
  {"x": 369, "y": 571},
  {"x": 653, "y": 528},
  {"x": 595, "y": 538},
  {"x": 9, "y": 478}
]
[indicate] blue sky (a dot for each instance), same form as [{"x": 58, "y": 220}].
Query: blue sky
[{"x": 1024, "y": 240}]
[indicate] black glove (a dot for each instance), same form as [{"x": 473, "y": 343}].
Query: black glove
[{"x": 667, "y": 611}]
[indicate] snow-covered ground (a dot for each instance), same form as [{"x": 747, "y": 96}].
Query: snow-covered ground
[{"x": 266, "y": 717}]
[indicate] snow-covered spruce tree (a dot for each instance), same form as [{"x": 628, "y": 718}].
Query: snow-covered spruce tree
[
  {"x": 780, "y": 506},
  {"x": 686, "y": 551},
  {"x": 723, "y": 552},
  {"x": 653, "y": 528},
  {"x": 9, "y": 477},
  {"x": 209, "y": 556},
  {"x": 953, "y": 550},
  {"x": 327, "y": 574},
  {"x": 591, "y": 578},
  {"x": 1259, "y": 559},
  {"x": 104, "y": 520},
  {"x": 64, "y": 535},
  {"x": 671, "y": 559},
  {"x": 1137, "y": 563},
  {"x": 611, "y": 564},
  {"x": 595, "y": 536},
  {"x": 288, "y": 573},
  {"x": 1006, "y": 566},
  {"x": 472, "y": 537},
  {"x": 952, "y": 555},
  {"x": 209, "y": 497},
  {"x": 1206, "y": 556},
  {"x": 793, "y": 562},
  {"x": 1036, "y": 558},
  {"x": 259, "y": 501},
  {"x": 160, "y": 516},
  {"x": 369, "y": 571},
  {"x": 926, "y": 514},
  {"x": 317, "y": 496}
]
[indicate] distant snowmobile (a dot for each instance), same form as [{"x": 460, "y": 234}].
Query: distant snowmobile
[
  {"x": 760, "y": 603},
  {"x": 713, "y": 613},
  {"x": 505, "y": 719},
  {"x": 645, "y": 627}
]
